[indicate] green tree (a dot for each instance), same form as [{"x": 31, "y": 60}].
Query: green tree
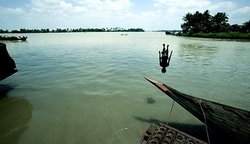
[
  {"x": 235, "y": 28},
  {"x": 187, "y": 25},
  {"x": 220, "y": 22},
  {"x": 3, "y": 31},
  {"x": 206, "y": 21},
  {"x": 197, "y": 22},
  {"x": 246, "y": 26}
]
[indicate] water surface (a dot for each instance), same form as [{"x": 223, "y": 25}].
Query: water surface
[{"x": 89, "y": 87}]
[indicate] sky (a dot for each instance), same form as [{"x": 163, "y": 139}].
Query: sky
[{"x": 146, "y": 14}]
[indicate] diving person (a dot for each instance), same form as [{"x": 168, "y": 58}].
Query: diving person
[{"x": 164, "y": 58}]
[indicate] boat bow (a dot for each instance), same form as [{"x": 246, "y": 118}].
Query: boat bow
[{"x": 220, "y": 119}]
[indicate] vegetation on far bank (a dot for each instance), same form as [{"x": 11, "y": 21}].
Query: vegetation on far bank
[
  {"x": 217, "y": 26},
  {"x": 58, "y": 30},
  {"x": 222, "y": 35}
]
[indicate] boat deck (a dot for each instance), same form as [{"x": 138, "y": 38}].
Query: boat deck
[{"x": 165, "y": 134}]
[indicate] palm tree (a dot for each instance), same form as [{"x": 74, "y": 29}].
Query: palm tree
[
  {"x": 246, "y": 26},
  {"x": 206, "y": 21},
  {"x": 219, "y": 22},
  {"x": 186, "y": 26}
]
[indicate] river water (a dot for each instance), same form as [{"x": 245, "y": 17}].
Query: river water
[{"x": 90, "y": 87}]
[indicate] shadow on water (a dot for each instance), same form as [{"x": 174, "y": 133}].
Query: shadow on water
[
  {"x": 150, "y": 100},
  {"x": 15, "y": 113},
  {"x": 150, "y": 121},
  {"x": 4, "y": 89},
  {"x": 197, "y": 131}
]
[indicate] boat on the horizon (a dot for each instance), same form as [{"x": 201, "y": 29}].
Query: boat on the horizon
[
  {"x": 13, "y": 38},
  {"x": 124, "y": 34},
  {"x": 225, "y": 124}
]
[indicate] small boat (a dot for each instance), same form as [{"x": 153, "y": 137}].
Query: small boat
[
  {"x": 7, "y": 64},
  {"x": 225, "y": 124},
  {"x": 13, "y": 38}
]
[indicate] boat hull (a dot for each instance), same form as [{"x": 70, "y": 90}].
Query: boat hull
[
  {"x": 230, "y": 123},
  {"x": 7, "y": 64}
]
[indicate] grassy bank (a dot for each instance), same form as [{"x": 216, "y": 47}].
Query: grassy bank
[{"x": 223, "y": 35}]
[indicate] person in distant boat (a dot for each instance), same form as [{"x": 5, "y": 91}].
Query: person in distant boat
[{"x": 164, "y": 58}]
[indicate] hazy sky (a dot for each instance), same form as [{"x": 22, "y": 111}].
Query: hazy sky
[{"x": 146, "y": 14}]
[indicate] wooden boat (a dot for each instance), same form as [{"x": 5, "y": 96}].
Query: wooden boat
[
  {"x": 7, "y": 64},
  {"x": 225, "y": 124},
  {"x": 165, "y": 134},
  {"x": 13, "y": 38}
]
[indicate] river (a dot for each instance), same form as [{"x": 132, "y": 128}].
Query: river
[{"x": 90, "y": 87}]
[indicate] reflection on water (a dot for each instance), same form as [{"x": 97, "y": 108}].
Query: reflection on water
[
  {"x": 197, "y": 52},
  {"x": 150, "y": 100},
  {"x": 15, "y": 114},
  {"x": 4, "y": 89}
]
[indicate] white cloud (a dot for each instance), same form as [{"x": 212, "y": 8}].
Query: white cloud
[
  {"x": 184, "y": 4},
  {"x": 96, "y": 9},
  {"x": 243, "y": 10},
  {"x": 194, "y": 5},
  {"x": 164, "y": 14},
  {"x": 111, "y": 5},
  {"x": 12, "y": 11},
  {"x": 50, "y": 6},
  {"x": 79, "y": 9},
  {"x": 239, "y": 15}
]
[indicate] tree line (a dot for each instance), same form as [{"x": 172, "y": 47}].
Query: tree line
[
  {"x": 206, "y": 23},
  {"x": 58, "y": 30}
]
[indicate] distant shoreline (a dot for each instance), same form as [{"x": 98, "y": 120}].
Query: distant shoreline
[
  {"x": 73, "y": 30},
  {"x": 221, "y": 35}
]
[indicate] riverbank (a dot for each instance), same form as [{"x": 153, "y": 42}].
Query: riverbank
[{"x": 222, "y": 35}]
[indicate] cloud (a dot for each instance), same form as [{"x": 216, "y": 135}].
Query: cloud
[
  {"x": 10, "y": 17},
  {"x": 108, "y": 5},
  {"x": 223, "y": 6},
  {"x": 79, "y": 13},
  {"x": 174, "y": 10},
  {"x": 243, "y": 10},
  {"x": 79, "y": 9},
  {"x": 194, "y": 5},
  {"x": 184, "y": 4},
  {"x": 12, "y": 11},
  {"x": 92, "y": 7},
  {"x": 50, "y": 6},
  {"x": 239, "y": 15},
  {"x": 163, "y": 14}
]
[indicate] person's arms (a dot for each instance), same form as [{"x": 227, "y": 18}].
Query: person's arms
[
  {"x": 169, "y": 58},
  {"x": 160, "y": 58}
]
